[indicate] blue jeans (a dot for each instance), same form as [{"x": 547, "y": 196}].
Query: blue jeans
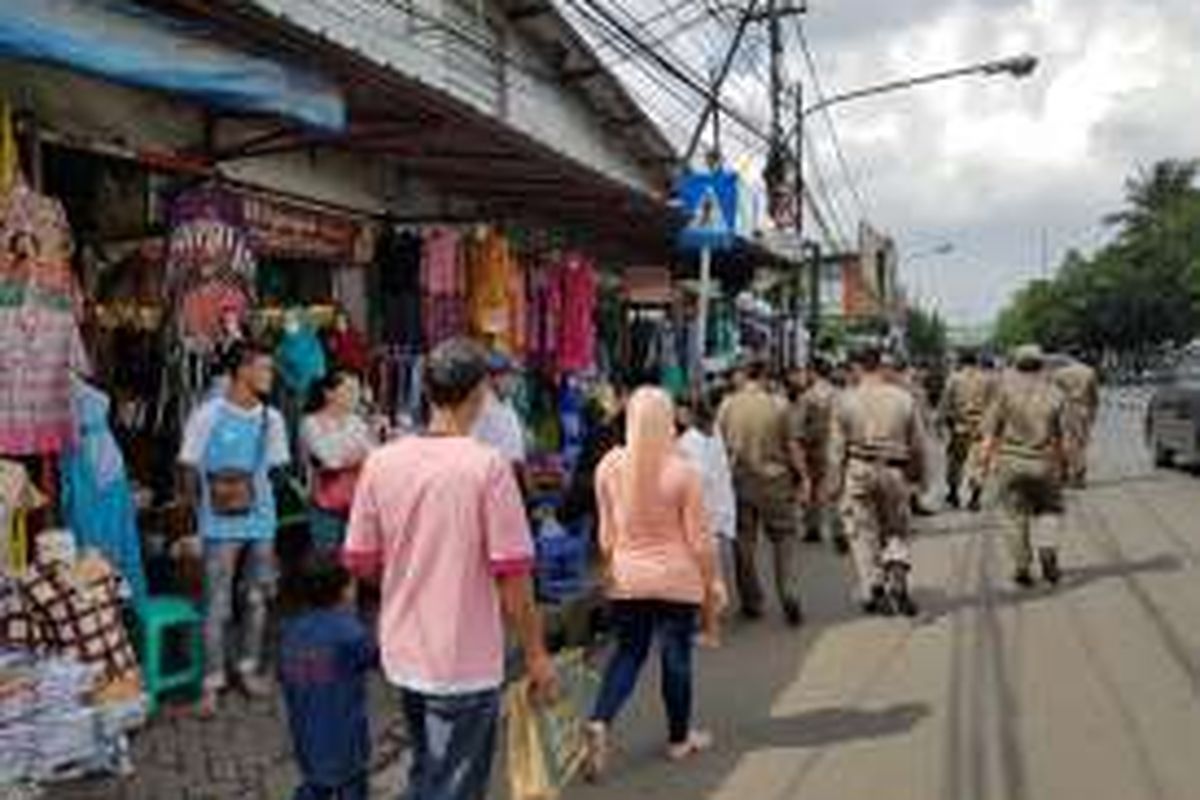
[
  {"x": 357, "y": 789},
  {"x": 635, "y": 622},
  {"x": 236, "y": 572},
  {"x": 454, "y": 739}
]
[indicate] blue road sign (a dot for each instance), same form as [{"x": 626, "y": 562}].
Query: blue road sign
[{"x": 710, "y": 200}]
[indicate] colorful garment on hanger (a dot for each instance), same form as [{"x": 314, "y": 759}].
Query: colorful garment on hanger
[
  {"x": 97, "y": 500},
  {"x": 496, "y": 304},
  {"x": 443, "y": 286},
  {"x": 545, "y": 315},
  {"x": 577, "y": 335},
  {"x": 348, "y": 350},
  {"x": 300, "y": 360},
  {"x": 396, "y": 302},
  {"x": 210, "y": 265}
]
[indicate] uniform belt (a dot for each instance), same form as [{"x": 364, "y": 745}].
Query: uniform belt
[{"x": 867, "y": 458}]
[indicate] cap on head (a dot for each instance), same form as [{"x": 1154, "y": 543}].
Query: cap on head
[{"x": 1028, "y": 357}]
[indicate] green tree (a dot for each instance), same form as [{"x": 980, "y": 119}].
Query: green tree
[{"x": 925, "y": 335}]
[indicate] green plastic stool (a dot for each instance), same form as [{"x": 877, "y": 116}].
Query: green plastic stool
[{"x": 156, "y": 616}]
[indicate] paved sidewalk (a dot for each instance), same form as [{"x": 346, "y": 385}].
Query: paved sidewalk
[{"x": 243, "y": 754}]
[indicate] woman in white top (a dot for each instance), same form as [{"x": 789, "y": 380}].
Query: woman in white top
[
  {"x": 336, "y": 440},
  {"x": 702, "y": 444}
]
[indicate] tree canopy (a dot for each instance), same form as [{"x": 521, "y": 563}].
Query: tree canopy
[{"x": 1139, "y": 291}]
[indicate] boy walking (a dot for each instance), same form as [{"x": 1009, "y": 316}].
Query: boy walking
[
  {"x": 439, "y": 518},
  {"x": 325, "y": 653}
]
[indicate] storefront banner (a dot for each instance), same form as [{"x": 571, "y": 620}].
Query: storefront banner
[
  {"x": 130, "y": 45},
  {"x": 291, "y": 231}
]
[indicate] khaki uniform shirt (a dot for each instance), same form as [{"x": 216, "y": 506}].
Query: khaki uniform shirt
[
  {"x": 966, "y": 399},
  {"x": 1080, "y": 385},
  {"x": 1027, "y": 417},
  {"x": 812, "y": 416},
  {"x": 877, "y": 421},
  {"x": 754, "y": 425}
]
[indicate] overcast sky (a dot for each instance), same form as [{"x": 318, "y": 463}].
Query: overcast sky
[{"x": 1009, "y": 173}]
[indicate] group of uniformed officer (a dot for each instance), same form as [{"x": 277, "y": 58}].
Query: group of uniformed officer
[{"x": 858, "y": 454}]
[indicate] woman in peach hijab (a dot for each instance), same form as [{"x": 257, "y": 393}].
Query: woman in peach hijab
[{"x": 660, "y": 566}]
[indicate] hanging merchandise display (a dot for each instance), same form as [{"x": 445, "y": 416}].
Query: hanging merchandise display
[
  {"x": 210, "y": 265},
  {"x": 40, "y": 345},
  {"x": 443, "y": 286},
  {"x": 496, "y": 304},
  {"x": 97, "y": 499},
  {"x": 577, "y": 338},
  {"x": 396, "y": 299}
]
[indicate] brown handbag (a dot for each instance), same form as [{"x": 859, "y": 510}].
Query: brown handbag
[{"x": 231, "y": 492}]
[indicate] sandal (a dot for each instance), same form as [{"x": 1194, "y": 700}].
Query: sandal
[
  {"x": 206, "y": 709},
  {"x": 696, "y": 742},
  {"x": 596, "y": 762}
]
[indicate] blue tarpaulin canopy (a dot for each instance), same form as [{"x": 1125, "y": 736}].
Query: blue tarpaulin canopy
[{"x": 127, "y": 44}]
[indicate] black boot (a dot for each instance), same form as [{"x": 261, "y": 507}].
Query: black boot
[
  {"x": 952, "y": 500},
  {"x": 976, "y": 501},
  {"x": 878, "y": 602},
  {"x": 1048, "y": 557},
  {"x": 792, "y": 613}
]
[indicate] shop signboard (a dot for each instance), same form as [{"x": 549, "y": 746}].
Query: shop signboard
[
  {"x": 710, "y": 201},
  {"x": 291, "y": 231},
  {"x": 647, "y": 285}
]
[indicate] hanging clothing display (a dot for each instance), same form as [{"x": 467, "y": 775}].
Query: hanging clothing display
[
  {"x": 348, "y": 350},
  {"x": 396, "y": 306},
  {"x": 40, "y": 345},
  {"x": 496, "y": 304},
  {"x": 577, "y": 336},
  {"x": 300, "y": 359},
  {"x": 210, "y": 268},
  {"x": 18, "y": 496},
  {"x": 444, "y": 286},
  {"x": 545, "y": 315},
  {"x": 96, "y": 496}
]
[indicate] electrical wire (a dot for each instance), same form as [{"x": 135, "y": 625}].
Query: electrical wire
[{"x": 827, "y": 113}]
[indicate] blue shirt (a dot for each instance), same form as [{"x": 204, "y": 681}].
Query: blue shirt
[
  {"x": 324, "y": 656},
  {"x": 222, "y": 436}
]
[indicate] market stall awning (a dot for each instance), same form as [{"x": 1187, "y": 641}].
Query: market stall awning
[{"x": 127, "y": 44}]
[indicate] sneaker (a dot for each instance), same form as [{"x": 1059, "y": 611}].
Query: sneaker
[
  {"x": 1023, "y": 578},
  {"x": 751, "y": 614},
  {"x": 209, "y": 703},
  {"x": 904, "y": 604},
  {"x": 841, "y": 545},
  {"x": 812, "y": 536},
  {"x": 793, "y": 614},
  {"x": 1048, "y": 557},
  {"x": 952, "y": 500},
  {"x": 596, "y": 740},
  {"x": 696, "y": 742},
  {"x": 255, "y": 686},
  {"x": 975, "y": 504}
]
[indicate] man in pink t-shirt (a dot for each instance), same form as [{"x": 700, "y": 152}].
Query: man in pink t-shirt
[{"x": 439, "y": 519}]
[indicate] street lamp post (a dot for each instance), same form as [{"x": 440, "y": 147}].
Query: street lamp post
[{"x": 1016, "y": 67}]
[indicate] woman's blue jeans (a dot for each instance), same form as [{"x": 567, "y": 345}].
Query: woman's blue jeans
[{"x": 636, "y": 623}]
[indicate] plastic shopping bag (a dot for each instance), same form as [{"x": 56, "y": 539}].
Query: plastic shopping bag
[{"x": 545, "y": 743}]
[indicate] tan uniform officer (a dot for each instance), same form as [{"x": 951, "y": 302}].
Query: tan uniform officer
[
  {"x": 1081, "y": 387},
  {"x": 964, "y": 402},
  {"x": 1023, "y": 434},
  {"x": 878, "y": 454},
  {"x": 755, "y": 426},
  {"x": 813, "y": 426}
]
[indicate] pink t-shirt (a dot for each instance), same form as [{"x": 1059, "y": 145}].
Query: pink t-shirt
[
  {"x": 656, "y": 550},
  {"x": 442, "y": 518}
]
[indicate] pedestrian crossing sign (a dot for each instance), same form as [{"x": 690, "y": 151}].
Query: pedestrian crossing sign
[{"x": 709, "y": 200}]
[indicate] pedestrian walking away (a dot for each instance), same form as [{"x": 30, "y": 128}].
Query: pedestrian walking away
[
  {"x": 878, "y": 452},
  {"x": 754, "y": 425},
  {"x": 812, "y": 426},
  {"x": 1024, "y": 435},
  {"x": 702, "y": 443},
  {"x": 659, "y": 560},
  {"x": 1081, "y": 391},
  {"x": 438, "y": 519},
  {"x": 325, "y": 654},
  {"x": 966, "y": 398},
  {"x": 231, "y": 444}
]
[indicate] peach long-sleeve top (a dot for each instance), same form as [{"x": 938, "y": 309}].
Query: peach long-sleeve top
[{"x": 655, "y": 550}]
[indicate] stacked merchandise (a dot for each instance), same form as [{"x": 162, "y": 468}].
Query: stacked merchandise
[{"x": 50, "y": 726}]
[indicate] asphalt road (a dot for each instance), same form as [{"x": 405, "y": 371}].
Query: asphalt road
[{"x": 1087, "y": 691}]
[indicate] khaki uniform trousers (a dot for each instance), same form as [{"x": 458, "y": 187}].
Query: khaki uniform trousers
[
  {"x": 765, "y": 505},
  {"x": 875, "y": 518},
  {"x": 1030, "y": 491}
]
